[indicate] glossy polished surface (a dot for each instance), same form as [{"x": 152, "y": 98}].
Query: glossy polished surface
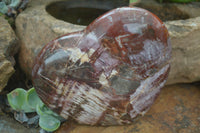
[{"x": 108, "y": 73}]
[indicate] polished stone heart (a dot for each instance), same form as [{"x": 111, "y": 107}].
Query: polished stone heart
[{"x": 108, "y": 73}]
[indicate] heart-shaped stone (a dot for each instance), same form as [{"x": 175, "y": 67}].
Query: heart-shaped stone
[{"x": 108, "y": 73}]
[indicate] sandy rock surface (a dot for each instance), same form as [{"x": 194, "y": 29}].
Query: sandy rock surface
[{"x": 8, "y": 47}]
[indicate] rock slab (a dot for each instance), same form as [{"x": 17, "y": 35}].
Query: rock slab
[
  {"x": 9, "y": 125},
  {"x": 185, "y": 39},
  {"x": 8, "y": 47}
]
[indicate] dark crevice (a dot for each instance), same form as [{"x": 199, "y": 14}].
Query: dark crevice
[{"x": 82, "y": 12}]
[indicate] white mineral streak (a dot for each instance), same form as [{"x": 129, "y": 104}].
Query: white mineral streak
[
  {"x": 103, "y": 80},
  {"x": 142, "y": 20},
  {"x": 135, "y": 28},
  {"x": 152, "y": 51},
  {"x": 59, "y": 88},
  {"x": 60, "y": 104},
  {"x": 92, "y": 37},
  {"x": 90, "y": 52},
  {"x": 134, "y": 17},
  {"x": 110, "y": 18},
  {"x": 57, "y": 81},
  {"x": 118, "y": 39},
  {"x": 147, "y": 88},
  {"x": 84, "y": 58},
  {"x": 85, "y": 104},
  {"x": 114, "y": 72},
  {"x": 57, "y": 56},
  {"x": 77, "y": 54}
]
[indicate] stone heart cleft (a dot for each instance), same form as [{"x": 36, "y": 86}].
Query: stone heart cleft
[{"x": 108, "y": 73}]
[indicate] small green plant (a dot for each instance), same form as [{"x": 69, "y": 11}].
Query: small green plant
[
  {"x": 12, "y": 8},
  {"x": 28, "y": 101},
  {"x": 133, "y": 2},
  {"x": 179, "y": 1},
  {"x": 5, "y": 5}
]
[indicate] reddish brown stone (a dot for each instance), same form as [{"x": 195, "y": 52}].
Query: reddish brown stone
[
  {"x": 110, "y": 72},
  {"x": 176, "y": 110}
]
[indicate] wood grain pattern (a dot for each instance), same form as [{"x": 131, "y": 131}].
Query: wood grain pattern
[{"x": 108, "y": 73}]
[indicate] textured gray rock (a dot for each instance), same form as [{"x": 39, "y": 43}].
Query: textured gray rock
[
  {"x": 185, "y": 39},
  {"x": 35, "y": 27},
  {"x": 8, "y": 47},
  {"x": 9, "y": 125}
]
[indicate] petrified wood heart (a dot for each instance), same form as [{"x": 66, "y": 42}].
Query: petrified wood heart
[{"x": 108, "y": 73}]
